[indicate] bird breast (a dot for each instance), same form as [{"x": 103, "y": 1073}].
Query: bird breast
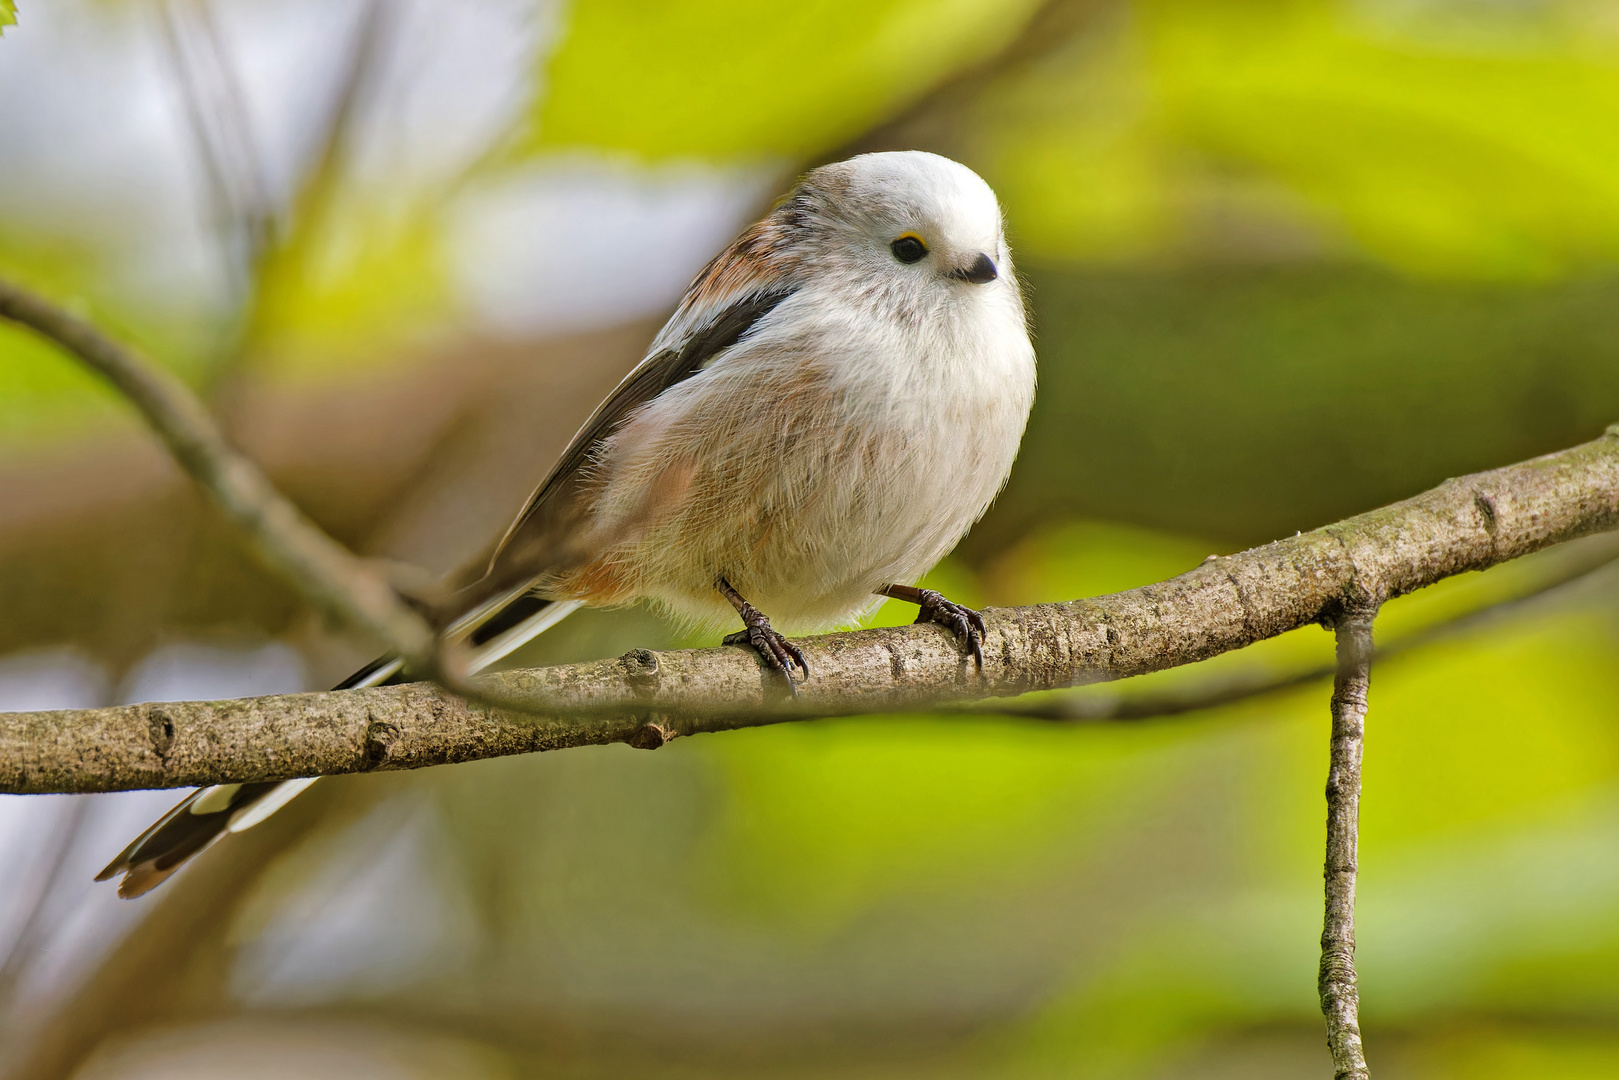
[{"x": 811, "y": 463}]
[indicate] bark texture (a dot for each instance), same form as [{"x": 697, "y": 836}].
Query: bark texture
[
  {"x": 647, "y": 698},
  {"x": 1337, "y": 982}
]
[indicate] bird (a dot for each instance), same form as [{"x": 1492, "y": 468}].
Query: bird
[{"x": 838, "y": 397}]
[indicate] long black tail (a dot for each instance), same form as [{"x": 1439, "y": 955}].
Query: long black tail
[{"x": 209, "y": 813}]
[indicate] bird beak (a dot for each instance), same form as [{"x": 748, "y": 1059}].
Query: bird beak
[{"x": 980, "y": 272}]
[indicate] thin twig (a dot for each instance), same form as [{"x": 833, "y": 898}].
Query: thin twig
[
  {"x": 931, "y": 118},
  {"x": 43, "y": 911},
  {"x": 1337, "y": 983},
  {"x": 216, "y": 110},
  {"x": 310, "y": 208},
  {"x": 355, "y": 591},
  {"x": 320, "y": 569}
]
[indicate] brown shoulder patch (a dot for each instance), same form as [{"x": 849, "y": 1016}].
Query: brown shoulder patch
[{"x": 762, "y": 255}]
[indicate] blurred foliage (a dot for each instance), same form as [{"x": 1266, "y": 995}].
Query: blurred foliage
[
  {"x": 1288, "y": 261},
  {"x": 44, "y": 394},
  {"x": 347, "y": 302},
  {"x": 1252, "y": 403},
  {"x": 8, "y": 14},
  {"x": 1434, "y": 151},
  {"x": 1455, "y": 139},
  {"x": 733, "y": 79}
]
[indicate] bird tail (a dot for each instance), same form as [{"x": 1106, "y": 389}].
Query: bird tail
[{"x": 494, "y": 629}]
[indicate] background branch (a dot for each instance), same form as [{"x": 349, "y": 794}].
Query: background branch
[
  {"x": 42, "y": 911},
  {"x": 175, "y": 964},
  {"x": 211, "y": 92},
  {"x": 308, "y": 215},
  {"x": 322, "y": 570},
  {"x": 934, "y": 119}
]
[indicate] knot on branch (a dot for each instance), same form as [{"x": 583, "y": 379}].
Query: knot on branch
[
  {"x": 651, "y": 735},
  {"x": 380, "y": 736},
  {"x": 1484, "y": 502},
  {"x": 641, "y": 669},
  {"x": 1352, "y": 615},
  {"x": 160, "y": 732}
]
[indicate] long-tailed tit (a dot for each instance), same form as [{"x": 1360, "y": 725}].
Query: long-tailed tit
[{"x": 838, "y": 397}]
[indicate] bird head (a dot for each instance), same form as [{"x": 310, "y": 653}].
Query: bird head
[{"x": 908, "y": 219}]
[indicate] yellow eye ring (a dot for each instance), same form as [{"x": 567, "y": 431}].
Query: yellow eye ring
[{"x": 908, "y": 247}]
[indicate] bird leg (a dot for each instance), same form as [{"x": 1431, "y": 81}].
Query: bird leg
[
  {"x": 964, "y": 622},
  {"x": 778, "y": 653}
]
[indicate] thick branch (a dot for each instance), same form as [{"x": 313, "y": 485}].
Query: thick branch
[
  {"x": 646, "y": 698},
  {"x": 1337, "y": 983},
  {"x": 321, "y": 569}
]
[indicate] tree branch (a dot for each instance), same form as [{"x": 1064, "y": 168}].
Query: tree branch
[
  {"x": 1578, "y": 569},
  {"x": 322, "y": 570},
  {"x": 1337, "y": 983},
  {"x": 647, "y": 698}
]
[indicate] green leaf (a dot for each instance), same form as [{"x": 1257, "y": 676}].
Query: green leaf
[{"x": 8, "y": 14}]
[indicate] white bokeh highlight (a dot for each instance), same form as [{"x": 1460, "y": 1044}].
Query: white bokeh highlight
[{"x": 587, "y": 242}]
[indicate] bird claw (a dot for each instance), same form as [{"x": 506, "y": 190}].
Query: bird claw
[
  {"x": 965, "y": 623},
  {"x": 778, "y": 653}
]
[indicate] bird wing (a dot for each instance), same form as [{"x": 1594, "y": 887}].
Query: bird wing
[{"x": 727, "y": 301}]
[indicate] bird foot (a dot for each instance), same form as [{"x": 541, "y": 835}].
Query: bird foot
[
  {"x": 964, "y": 622},
  {"x": 778, "y": 653}
]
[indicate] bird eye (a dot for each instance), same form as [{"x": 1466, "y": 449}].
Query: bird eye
[{"x": 908, "y": 248}]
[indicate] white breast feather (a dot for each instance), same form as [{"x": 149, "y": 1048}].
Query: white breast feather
[{"x": 827, "y": 454}]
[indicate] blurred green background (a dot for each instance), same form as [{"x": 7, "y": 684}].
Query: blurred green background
[{"x": 1288, "y": 261}]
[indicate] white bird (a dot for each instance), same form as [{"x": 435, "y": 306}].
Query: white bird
[{"x": 837, "y": 399}]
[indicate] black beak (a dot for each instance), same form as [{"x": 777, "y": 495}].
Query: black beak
[{"x": 980, "y": 272}]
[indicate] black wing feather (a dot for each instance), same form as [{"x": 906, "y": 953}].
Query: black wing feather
[
  {"x": 537, "y": 530},
  {"x": 657, "y": 374}
]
